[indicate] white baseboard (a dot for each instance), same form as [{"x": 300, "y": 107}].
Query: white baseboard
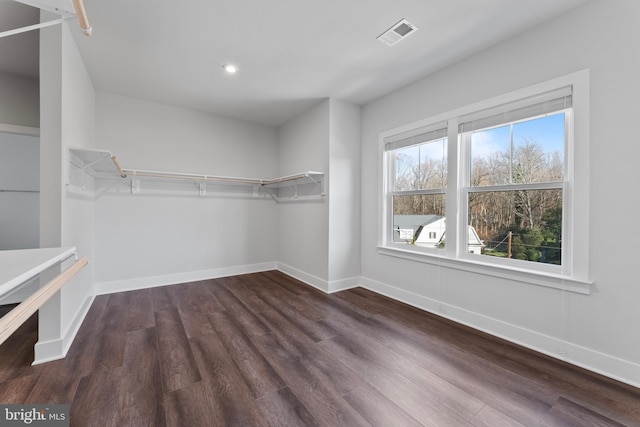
[
  {"x": 610, "y": 366},
  {"x": 48, "y": 351},
  {"x": 344, "y": 284},
  {"x": 171, "y": 279},
  {"x": 307, "y": 278},
  {"x": 318, "y": 283}
]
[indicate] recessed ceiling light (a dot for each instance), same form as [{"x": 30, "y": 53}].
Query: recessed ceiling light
[{"x": 230, "y": 68}]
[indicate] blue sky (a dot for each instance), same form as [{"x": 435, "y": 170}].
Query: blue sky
[{"x": 547, "y": 131}]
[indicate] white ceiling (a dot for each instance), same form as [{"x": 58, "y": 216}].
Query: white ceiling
[{"x": 291, "y": 53}]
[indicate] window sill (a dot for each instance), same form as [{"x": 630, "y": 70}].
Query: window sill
[{"x": 555, "y": 281}]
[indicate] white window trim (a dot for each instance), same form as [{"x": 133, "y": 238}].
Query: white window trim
[{"x": 574, "y": 274}]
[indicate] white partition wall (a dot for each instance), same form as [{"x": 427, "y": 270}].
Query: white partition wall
[
  {"x": 67, "y": 118},
  {"x": 318, "y": 241}
]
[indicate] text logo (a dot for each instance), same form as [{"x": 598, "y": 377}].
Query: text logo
[{"x": 34, "y": 415}]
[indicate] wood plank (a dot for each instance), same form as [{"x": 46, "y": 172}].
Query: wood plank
[
  {"x": 244, "y": 288},
  {"x": 194, "y": 301},
  {"x": 135, "y": 318},
  {"x": 324, "y": 404},
  {"x": 161, "y": 298},
  {"x": 95, "y": 402},
  {"x": 404, "y": 394},
  {"x": 258, "y": 374},
  {"x": 377, "y": 409},
  {"x": 17, "y": 351},
  {"x": 17, "y": 390},
  {"x": 315, "y": 330},
  {"x": 230, "y": 400},
  {"x": 104, "y": 345},
  {"x": 247, "y": 320},
  {"x": 283, "y": 408},
  {"x": 491, "y": 417},
  {"x": 141, "y": 401},
  {"x": 57, "y": 384},
  {"x": 568, "y": 413},
  {"x": 177, "y": 363}
]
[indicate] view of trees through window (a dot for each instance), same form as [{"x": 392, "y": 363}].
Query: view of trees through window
[{"x": 522, "y": 219}]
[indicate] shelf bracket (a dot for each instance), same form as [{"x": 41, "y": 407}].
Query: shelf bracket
[
  {"x": 318, "y": 183},
  {"x": 203, "y": 188},
  {"x": 88, "y": 165},
  {"x": 270, "y": 191},
  {"x": 135, "y": 186}
]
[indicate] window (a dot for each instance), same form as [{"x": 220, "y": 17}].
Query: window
[
  {"x": 418, "y": 179},
  {"x": 515, "y": 180},
  {"x": 509, "y": 194}
]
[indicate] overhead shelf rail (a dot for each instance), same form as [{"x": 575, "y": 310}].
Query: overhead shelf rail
[{"x": 102, "y": 164}]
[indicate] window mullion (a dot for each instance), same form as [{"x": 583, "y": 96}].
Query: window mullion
[{"x": 452, "y": 198}]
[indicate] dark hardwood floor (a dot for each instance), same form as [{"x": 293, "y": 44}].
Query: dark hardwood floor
[{"x": 264, "y": 349}]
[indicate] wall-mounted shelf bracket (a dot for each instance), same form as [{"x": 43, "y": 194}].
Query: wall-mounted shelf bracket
[
  {"x": 135, "y": 186},
  {"x": 318, "y": 184}
]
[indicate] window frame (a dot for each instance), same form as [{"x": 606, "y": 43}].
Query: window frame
[
  {"x": 573, "y": 274},
  {"x": 464, "y": 141}
]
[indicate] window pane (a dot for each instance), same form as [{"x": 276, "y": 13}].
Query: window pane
[
  {"x": 525, "y": 225},
  {"x": 531, "y": 151},
  {"x": 422, "y": 166},
  {"x": 407, "y": 167},
  {"x": 419, "y": 219},
  {"x": 490, "y": 156},
  {"x": 538, "y": 150}
]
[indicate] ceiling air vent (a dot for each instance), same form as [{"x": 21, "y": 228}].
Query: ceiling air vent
[{"x": 397, "y": 32}]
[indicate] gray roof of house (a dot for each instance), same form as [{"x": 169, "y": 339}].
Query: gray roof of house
[{"x": 414, "y": 221}]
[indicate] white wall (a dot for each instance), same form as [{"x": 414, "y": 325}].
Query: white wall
[
  {"x": 598, "y": 331},
  {"x": 67, "y": 119},
  {"x": 19, "y": 103},
  {"x": 318, "y": 241},
  {"x": 146, "y": 240},
  {"x": 19, "y": 211},
  {"x": 344, "y": 194},
  {"x": 303, "y": 227}
]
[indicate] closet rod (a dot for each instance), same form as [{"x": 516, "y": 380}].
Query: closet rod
[
  {"x": 78, "y": 5},
  {"x": 170, "y": 175},
  {"x": 32, "y": 27},
  {"x": 4, "y": 190},
  {"x": 16, "y": 317},
  {"x": 115, "y": 161},
  {"x": 191, "y": 177},
  {"x": 285, "y": 178}
]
